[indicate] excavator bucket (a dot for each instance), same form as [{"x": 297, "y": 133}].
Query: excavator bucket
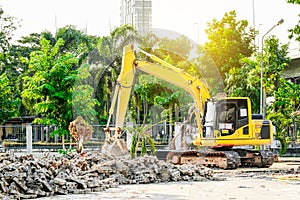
[{"x": 114, "y": 146}]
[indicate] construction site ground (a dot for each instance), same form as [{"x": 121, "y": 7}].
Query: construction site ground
[{"x": 280, "y": 181}]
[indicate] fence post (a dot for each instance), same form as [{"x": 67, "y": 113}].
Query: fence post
[
  {"x": 129, "y": 135},
  {"x": 35, "y": 134},
  {"x": 29, "y": 138},
  {"x": 177, "y": 136},
  {"x": 47, "y": 134},
  {"x": 42, "y": 133},
  {"x": 55, "y": 136}
]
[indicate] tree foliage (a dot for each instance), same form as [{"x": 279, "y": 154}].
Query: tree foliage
[
  {"x": 83, "y": 100},
  {"x": 48, "y": 85},
  {"x": 140, "y": 139},
  {"x": 229, "y": 40},
  {"x": 295, "y": 32},
  {"x": 294, "y": 1},
  {"x": 283, "y": 112},
  {"x": 8, "y": 26},
  {"x": 108, "y": 65},
  {"x": 286, "y": 98},
  {"x": 239, "y": 85},
  {"x": 8, "y": 104},
  {"x": 151, "y": 92},
  {"x": 9, "y": 100},
  {"x": 76, "y": 42},
  {"x": 275, "y": 60}
]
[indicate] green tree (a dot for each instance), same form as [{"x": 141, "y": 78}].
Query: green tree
[
  {"x": 152, "y": 94},
  {"x": 8, "y": 26},
  {"x": 229, "y": 40},
  {"x": 21, "y": 50},
  {"x": 274, "y": 59},
  {"x": 8, "y": 103},
  {"x": 49, "y": 85},
  {"x": 9, "y": 71},
  {"x": 107, "y": 68},
  {"x": 294, "y": 1},
  {"x": 140, "y": 138},
  {"x": 295, "y": 32},
  {"x": 83, "y": 100},
  {"x": 284, "y": 112},
  {"x": 143, "y": 98},
  {"x": 179, "y": 48},
  {"x": 76, "y": 42},
  {"x": 238, "y": 85}
]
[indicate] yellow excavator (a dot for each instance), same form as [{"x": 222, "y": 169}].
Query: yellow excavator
[{"x": 227, "y": 129}]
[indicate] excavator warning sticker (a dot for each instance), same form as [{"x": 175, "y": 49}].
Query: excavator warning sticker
[
  {"x": 225, "y": 131},
  {"x": 225, "y": 125}
]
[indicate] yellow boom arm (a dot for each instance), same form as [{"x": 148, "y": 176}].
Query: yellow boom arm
[{"x": 163, "y": 70}]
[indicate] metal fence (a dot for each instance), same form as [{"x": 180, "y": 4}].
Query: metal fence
[{"x": 14, "y": 136}]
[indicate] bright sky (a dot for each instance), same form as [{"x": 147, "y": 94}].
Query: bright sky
[{"x": 182, "y": 16}]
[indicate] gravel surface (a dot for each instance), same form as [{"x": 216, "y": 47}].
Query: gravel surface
[{"x": 281, "y": 181}]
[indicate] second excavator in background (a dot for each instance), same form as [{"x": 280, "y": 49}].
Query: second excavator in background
[{"x": 227, "y": 130}]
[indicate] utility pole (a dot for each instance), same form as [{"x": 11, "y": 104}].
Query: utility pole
[{"x": 262, "y": 91}]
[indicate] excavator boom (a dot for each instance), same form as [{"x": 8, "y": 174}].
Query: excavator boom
[{"x": 165, "y": 71}]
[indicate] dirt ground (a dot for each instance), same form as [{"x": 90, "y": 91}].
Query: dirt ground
[{"x": 239, "y": 184}]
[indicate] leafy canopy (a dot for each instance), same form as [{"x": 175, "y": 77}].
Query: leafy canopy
[
  {"x": 8, "y": 104},
  {"x": 48, "y": 86},
  {"x": 229, "y": 40}
]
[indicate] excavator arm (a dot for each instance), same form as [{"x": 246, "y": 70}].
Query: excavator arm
[{"x": 160, "y": 69}]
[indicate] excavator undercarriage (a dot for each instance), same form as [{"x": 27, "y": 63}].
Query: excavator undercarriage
[{"x": 222, "y": 158}]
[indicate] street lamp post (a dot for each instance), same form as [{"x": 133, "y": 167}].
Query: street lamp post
[{"x": 262, "y": 97}]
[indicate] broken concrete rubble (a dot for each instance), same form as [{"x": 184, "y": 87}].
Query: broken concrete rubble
[{"x": 26, "y": 177}]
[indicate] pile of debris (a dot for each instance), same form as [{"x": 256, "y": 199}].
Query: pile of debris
[{"x": 27, "y": 177}]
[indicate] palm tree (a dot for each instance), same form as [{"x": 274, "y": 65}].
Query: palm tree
[{"x": 110, "y": 50}]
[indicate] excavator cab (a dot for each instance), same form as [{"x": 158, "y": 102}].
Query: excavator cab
[
  {"x": 226, "y": 121},
  {"x": 229, "y": 122},
  {"x": 232, "y": 115},
  {"x": 224, "y": 116}
]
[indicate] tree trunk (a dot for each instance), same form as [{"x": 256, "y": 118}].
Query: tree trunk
[
  {"x": 170, "y": 123},
  {"x": 80, "y": 144},
  {"x": 145, "y": 106},
  {"x": 154, "y": 128},
  {"x": 176, "y": 113},
  {"x": 276, "y": 90},
  {"x": 63, "y": 142}
]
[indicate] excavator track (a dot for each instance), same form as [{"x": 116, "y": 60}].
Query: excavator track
[
  {"x": 255, "y": 158},
  {"x": 223, "y": 159},
  {"x": 218, "y": 159}
]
